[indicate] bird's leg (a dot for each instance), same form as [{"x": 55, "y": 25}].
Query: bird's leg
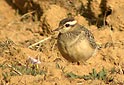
[{"x": 81, "y": 63}]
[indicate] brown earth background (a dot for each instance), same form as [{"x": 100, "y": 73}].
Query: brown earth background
[{"x": 25, "y": 22}]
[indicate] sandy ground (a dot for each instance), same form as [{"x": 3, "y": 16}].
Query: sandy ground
[{"x": 18, "y": 32}]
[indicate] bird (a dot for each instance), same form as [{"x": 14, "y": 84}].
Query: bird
[{"x": 75, "y": 42}]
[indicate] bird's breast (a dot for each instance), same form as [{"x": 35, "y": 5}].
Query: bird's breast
[{"x": 74, "y": 47}]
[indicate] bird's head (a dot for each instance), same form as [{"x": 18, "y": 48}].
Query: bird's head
[{"x": 66, "y": 25}]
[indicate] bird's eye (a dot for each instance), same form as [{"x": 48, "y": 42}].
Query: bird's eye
[{"x": 67, "y": 25}]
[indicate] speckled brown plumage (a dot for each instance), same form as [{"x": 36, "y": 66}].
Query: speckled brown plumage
[{"x": 75, "y": 42}]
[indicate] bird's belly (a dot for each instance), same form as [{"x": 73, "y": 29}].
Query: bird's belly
[{"x": 78, "y": 51}]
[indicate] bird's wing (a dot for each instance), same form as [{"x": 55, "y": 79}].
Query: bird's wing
[{"x": 89, "y": 36}]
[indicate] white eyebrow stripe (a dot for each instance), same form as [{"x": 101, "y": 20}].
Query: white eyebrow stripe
[{"x": 72, "y": 22}]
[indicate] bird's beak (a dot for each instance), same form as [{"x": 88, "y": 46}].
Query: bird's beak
[{"x": 57, "y": 29}]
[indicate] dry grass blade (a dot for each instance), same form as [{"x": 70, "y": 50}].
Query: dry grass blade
[
  {"x": 39, "y": 42},
  {"x": 16, "y": 20},
  {"x": 14, "y": 69}
]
